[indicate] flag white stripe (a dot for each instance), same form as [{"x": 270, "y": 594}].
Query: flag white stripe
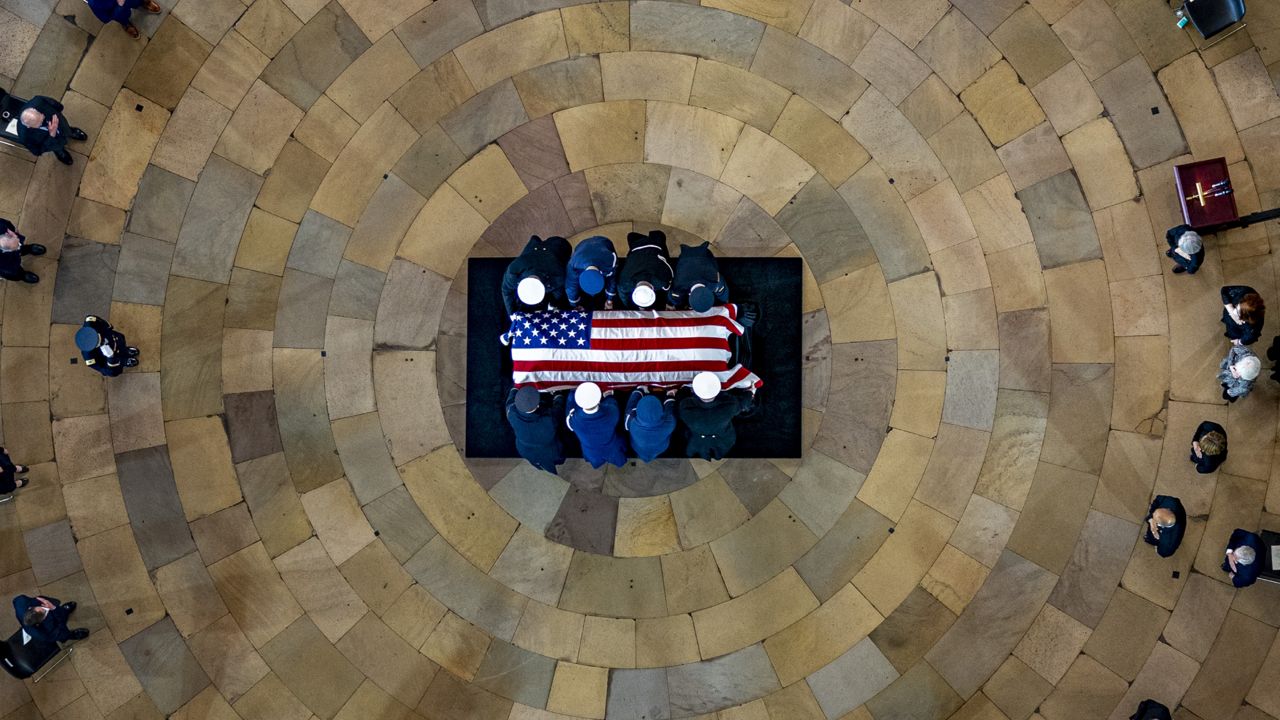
[
  {"x": 699, "y": 331},
  {"x": 629, "y": 356},
  {"x": 624, "y": 378}
]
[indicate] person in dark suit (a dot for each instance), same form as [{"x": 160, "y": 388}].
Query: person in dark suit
[
  {"x": 593, "y": 417},
  {"x": 708, "y": 417},
  {"x": 43, "y": 128},
  {"x": 534, "y": 421},
  {"x": 1151, "y": 710},
  {"x": 591, "y": 280},
  {"x": 698, "y": 284},
  {"x": 1186, "y": 248},
  {"x": 1166, "y": 522},
  {"x": 650, "y": 422},
  {"x": 1208, "y": 447},
  {"x": 535, "y": 279},
  {"x": 120, "y": 10},
  {"x": 45, "y": 619},
  {"x": 1242, "y": 563},
  {"x": 646, "y": 273},
  {"x": 1237, "y": 372},
  {"x": 9, "y": 480},
  {"x": 14, "y": 247},
  {"x": 103, "y": 348},
  {"x": 1243, "y": 314}
]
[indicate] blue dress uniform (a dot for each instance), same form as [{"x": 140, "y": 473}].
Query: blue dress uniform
[
  {"x": 109, "y": 10},
  {"x": 594, "y": 252},
  {"x": 598, "y": 432},
  {"x": 650, "y": 422},
  {"x": 542, "y": 259},
  {"x": 709, "y": 423},
  {"x": 1246, "y": 575},
  {"x": 647, "y": 261},
  {"x": 1170, "y": 537},
  {"x": 536, "y": 439},
  {"x": 697, "y": 266},
  {"x": 54, "y": 626},
  {"x": 108, "y": 352}
]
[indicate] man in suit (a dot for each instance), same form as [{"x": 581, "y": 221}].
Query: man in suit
[
  {"x": 43, "y": 128},
  {"x": 646, "y": 274},
  {"x": 708, "y": 417},
  {"x": 45, "y": 619},
  {"x": 1242, "y": 563},
  {"x": 593, "y": 417},
  {"x": 1166, "y": 522},
  {"x": 1186, "y": 248},
  {"x": 120, "y": 10},
  {"x": 698, "y": 284},
  {"x": 650, "y": 422},
  {"x": 534, "y": 422},
  {"x": 104, "y": 349},
  {"x": 13, "y": 247},
  {"x": 1151, "y": 710},
  {"x": 1208, "y": 447}
]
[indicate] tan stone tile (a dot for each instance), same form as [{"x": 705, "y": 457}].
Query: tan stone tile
[
  {"x": 358, "y": 170},
  {"x": 787, "y": 15},
  {"x": 443, "y": 232},
  {"x": 246, "y": 360},
  {"x": 458, "y": 507},
  {"x": 602, "y": 134},
  {"x": 414, "y": 615},
  {"x": 962, "y": 268},
  {"x": 265, "y": 245},
  {"x": 692, "y": 580},
  {"x": 95, "y": 221},
  {"x": 1003, "y": 106},
  {"x": 904, "y": 558},
  {"x": 106, "y": 64},
  {"x": 954, "y": 579},
  {"x": 698, "y": 204},
  {"x": 125, "y": 144},
  {"x": 595, "y": 29},
  {"x": 259, "y": 129},
  {"x": 72, "y": 393},
  {"x": 706, "y": 510},
  {"x": 550, "y": 631},
  {"x": 689, "y": 137},
  {"x": 1202, "y": 113},
  {"x": 293, "y": 181},
  {"x": 325, "y": 129},
  {"x": 202, "y": 467},
  {"x": 890, "y": 66},
  {"x": 488, "y": 182},
  {"x": 106, "y": 674},
  {"x": 372, "y": 78},
  {"x": 1101, "y": 164},
  {"x": 320, "y": 589},
  {"x": 766, "y": 170},
  {"x": 377, "y": 17},
  {"x": 665, "y": 641},
  {"x": 1079, "y": 313},
  {"x": 512, "y": 48},
  {"x": 819, "y": 140},
  {"x": 953, "y": 469},
  {"x": 268, "y": 26},
  {"x": 1053, "y": 515},
  {"x": 997, "y": 215},
  {"x": 1142, "y": 381},
  {"x": 578, "y": 690},
  {"x": 911, "y": 27},
  {"x": 1094, "y": 35},
  {"x": 917, "y": 312},
  {"x": 338, "y": 520},
  {"x": 822, "y": 636},
  {"x": 1034, "y": 156},
  {"x": 756, "y": 550},
  {"x": 917, "y": 406},
  {"x": 972, "y": 323},
  {"x": 1068, "y": 99},
  {"x": 858, "y": 306},
  {"x": 754, "y": 616},
  {"x": 646, "y": 526},
  {"x": 1247, "y": 89},
  {"x": 608, "y": 642},
  {"x": 189, "y": 595},
  {"x": 622, "y": 193},
  {"x": 120, "y": 581},
  {"x": 737, "y": 93},
  {"x": 191, "y": 134},
  {"x": 837, "y": 29},
  {"x": 942, "y": 217},
  {"x": 1052, "y": 643},
  {"x": 457, "y": 646},
  {"x": 83, "y": 445},
  {"x": 1128, "y": 243},
  {"x": 232, "y": 67},
  {"x": 271, "y": 699},
  {"x": 1017, "y": 434},
  {"x": 966, "y": 153},
  {"x": 1138, "y": 307},
  {"x": 95, "y": 505},
  {"x": 896, "y": 473},
  {"x": 903, "y": 154},
  {"x": 647, "y": 76},
  {"x": 560, "y": 85}
]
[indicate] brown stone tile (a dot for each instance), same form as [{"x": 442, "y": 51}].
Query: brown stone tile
[
  {"x": 560, "y": 85},
  {"x": 170, "y": 61},
  {"x": 191, "y": 134},
  {"x": 1030, "y": 45},
  {"x": 900, "y": 150},
  {"x": 1003, "y": 107},
  {"x": 119, "y": 578},
  {"x": 111, "y": 177},
  {"x": 957, "y": 50}
]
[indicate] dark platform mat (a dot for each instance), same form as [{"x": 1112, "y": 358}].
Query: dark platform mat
[{"x": 772, "y": 430}]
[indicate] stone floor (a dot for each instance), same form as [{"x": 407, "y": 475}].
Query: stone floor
[{"x": 272, "y": 516}]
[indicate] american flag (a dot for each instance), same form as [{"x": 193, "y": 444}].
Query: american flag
[{"x": 558, "y": 349}]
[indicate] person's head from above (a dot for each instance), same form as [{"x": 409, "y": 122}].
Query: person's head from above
[
  {"x": 1245, "y": 555},
  {"x": 1164, "y": 518},
  {"x": 1252, "y": 309},
  {"x": 1190, "y": 242},
  {"x": 1212, "y": 443},
  {"x": 10, "y": 240},
  {"x": 35, "y": 615},
  {"x": 32, "y": 118},
  {"x": 701, "y": 298},
  {"x": 587, "y": 396},
  {"x": 1247, "y": 367},
  {"x": 649, "y": 410},
  {"x": 706, "y": 385},
  {"x": 531, "y": 291},
  {"x": 527, "y": 399},
  {"x": 591, "y": 280},
  {"x": 87, "y": 338},
  {"x": 644, "y": 296}
]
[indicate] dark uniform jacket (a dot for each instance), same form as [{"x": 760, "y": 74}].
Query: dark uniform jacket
[
  {"x": 1191, "y": 264},
  {"x": 8, "y": 473},
  {"x": 37, "y": 139},
  {"x": 1245, "y": 333},
  {"x": 96, "y": 358},
  {"x": 54, "y": 626},
  {"x": 650, "y": 441},
  {"x": 1170, "y": 537},
  {"x": 1207, "y": 463},
  {"x": 1246, "y": 575},
  {"x": 647, "y": 261},
  {"x": 697, "y": 266},
  {"x": 536, "y": 438},
  {"x": 11, "y": 260},
  {"x": 598, "y": 432},
  {"x": 109, "y": 10},
  {"x": 709, "y": 425},
  {"x": 1151, "y": 710},
  {"x": 543, "y": 259},
  {"x": 595, "y": 252}
]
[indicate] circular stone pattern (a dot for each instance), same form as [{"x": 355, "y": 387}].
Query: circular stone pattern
[{"x": 272, "y": 516}]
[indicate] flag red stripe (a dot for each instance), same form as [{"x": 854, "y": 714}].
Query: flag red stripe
[
  {"x": 661, "y": 322},
  {"x": 674, "y": 343},
  {"x": 621, "y": 368}
]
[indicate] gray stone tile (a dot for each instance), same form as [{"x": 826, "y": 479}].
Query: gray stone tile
[
  {"x": 751, "y": 231},
  {"x": 587, "y": 521},
  {"x": 888, "y": 223},
  {"x": 161, "y": 204},
  {"x": 53, "y": 59},
  {"x": 1141, "y": 114},
  {"x": 501, "y": 12},
  {"x": 638, "y": 695},
  {"x": 398, "y": 520},
  {"x": 1095, "y": 569},
  {"x": 215, "y": 220},
  {"x": 251, "y": 425},
  {"x": 728, "y": 680},
  {"x": 805, "y": 70},
  {"x": 863, "y": 378},
  {"x": 300, "y": 315},
  {"x": 429, "y": 161},
  {"x": 852, "y": 679},
  {"x": 365, "y": 456},
  {"x": 1079, "y": 416},
  {"x": 516, "y": 674},
  {"x": 972, "y": 379},
  {"x": 86, "y": 275},
  {"x": 1060, "y": 221},
  {"x": 541, "y": 213},
  {"x": 277, "y": 511},
  {"x": 318, "y": 245},
  {"x": 816, "y": 367},
  {"x": 529, "y": 495},
  {"x": 755, "y": 482},
  {"x": 488, "y": 115},
  {"x": 142, "y": 272},
  {"x": 826, "y": 231},
  {"x": 1202, "y": 608},
  {"x": 843, "y": 550},
  {"x": 449, "y": 698},
  {"x": 659, "y": 477},
  {"x": 463, "y": 588},
  {"x": 302, "y": 412},
  {"x": 992, "y": 623},
  {"x": 576, "y": 197},
  {"x": 535, "y": 151},
  {"x": 52, "y": 550},
  {"x": 912, "y": 628},
  {"x": 155, "y": 511},
  {"x": 409, "y": 310},
  {"x": 921, "y": 694},
  {"x": 316, "y": 56},
  {"x": 692, "y": 30},
  {"x": 166, "y": 668},
  {"x": 356, "y": 290},
  {"x": 439, "y": 28}
]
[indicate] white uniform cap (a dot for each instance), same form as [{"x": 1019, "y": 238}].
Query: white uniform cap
[
  {"x": 706, "y": 385},
  {"x": 1249, "y": 366},
  {"x": 531, "y": 291},
  {"x": 587, "y": 395},
  {"x": 643, "y": 296}
]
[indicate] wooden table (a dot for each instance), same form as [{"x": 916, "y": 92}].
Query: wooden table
[{"x": 1200, "y": 193}]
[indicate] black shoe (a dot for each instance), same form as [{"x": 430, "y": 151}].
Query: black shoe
[
  {"x": 1169, "y": 252},
  {"x": 77, "y": 134},
  {"x": 34, "y": 249},
  {"x": 79, "y": 633},
  {"x": 131, "y": 352},
  {"x": 30, "y": 278},
  {"x": 70, "y": 606},
  {"x": 64, "y": 157},
  {"x": 131, "y": 362},
  {"x": 1179, "y": 270}
]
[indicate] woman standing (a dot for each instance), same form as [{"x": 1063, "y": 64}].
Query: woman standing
[{"x": 1243, "y": 313}]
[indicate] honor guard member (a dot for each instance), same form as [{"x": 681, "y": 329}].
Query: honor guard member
[
  {"x": 1166, "y": 521},
  {"x": 698, "y": 284},
  {"x": 536, "y": 278},
  {"x": 13, "y": 247},
  {"x": 592, "y": 278},
  {"x": 646, "y": 273},
  {"x": 1242, "y": 563},
  {"x": 708, "y": 417},
  {"x": 594, "y": 419},
  {"x": 534, "y": 423},
  {"x": 650, "y": 422},
  {"x": 104, "y": 349}
]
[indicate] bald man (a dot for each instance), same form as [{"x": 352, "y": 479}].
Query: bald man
[
  {"x": 1166, "y": 521},
  {"x": 43, "y": 128}
]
